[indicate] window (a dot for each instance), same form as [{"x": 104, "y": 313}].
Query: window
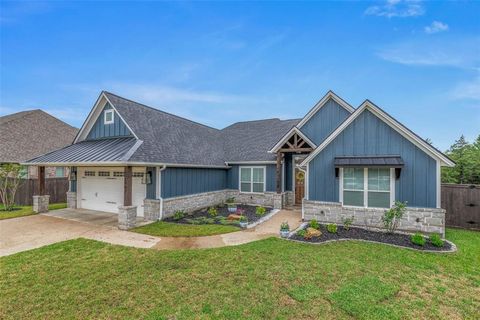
[
  {"x": 353, "y": 187},
  {"x": 137, "y": 174},
  {"x": 108, "y": 116},
  {"x": 104, "y": 173},
  {"x": 252, "y": 179},
  {"x": 118, "y": 173},
  {"x": 89, "y": 173},
  {"x": 59, "y": 172},
  {"x": 367, "y": 187},
  {"x": 379, "y": 187}
]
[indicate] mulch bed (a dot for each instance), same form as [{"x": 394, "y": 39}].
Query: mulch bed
[
  {"x": 222, "y": 211},
  {"x": 402, "y": 240}
]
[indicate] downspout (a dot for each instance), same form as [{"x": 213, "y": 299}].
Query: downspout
[{"x": 159, "y": 181}]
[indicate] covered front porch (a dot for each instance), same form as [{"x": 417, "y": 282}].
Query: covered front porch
[{"x": 291, "y": 177}]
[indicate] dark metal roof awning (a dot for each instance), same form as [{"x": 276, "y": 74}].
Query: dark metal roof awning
[
  {"x": 105, "y": 150},
  {"x": 369, "y": 161}
]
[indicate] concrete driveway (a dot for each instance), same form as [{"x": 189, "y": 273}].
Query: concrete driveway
[{"x": 20, "y": 234}]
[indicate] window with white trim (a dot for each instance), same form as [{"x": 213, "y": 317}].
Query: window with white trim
[
  {"x": 367, "y": 187},
  {"x": 108, "y": 117},
  {"x": 252, "y": 179}
]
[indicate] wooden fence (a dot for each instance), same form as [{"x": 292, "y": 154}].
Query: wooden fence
[
  {"x": 55, "y": 187},
  {"x": 462, "y": 203}
]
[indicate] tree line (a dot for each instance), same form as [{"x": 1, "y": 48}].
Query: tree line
[{"x": 467, "y": 158}]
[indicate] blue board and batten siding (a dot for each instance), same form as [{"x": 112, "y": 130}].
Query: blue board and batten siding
[
  {"x": 185, "y": 181},
  {"x": 100, "y": 130},
  {"x": 324, "y": 121},
  {"x": 368, "y": 135},
  {"x": 151, "y": 187}
]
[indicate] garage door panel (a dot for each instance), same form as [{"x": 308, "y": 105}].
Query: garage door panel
[{"x": 105, "y": 193}]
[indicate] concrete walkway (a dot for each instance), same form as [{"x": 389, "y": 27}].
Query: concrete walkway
[
  {"x": 269, "y": 228},
  {"x": 20, "y": 234}
]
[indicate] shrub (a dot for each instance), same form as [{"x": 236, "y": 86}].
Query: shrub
[
  {"x": 436, "y": 240},
  {"x": 418, "y": 239},
  {"x": 347, "y": 222},
  {"x": 260, "y": 211},
  {"x": 301, "y": 233},
  {"x": 332, "y": 228},
  {"x": 178, "y": 215},
  {"x": 284, "y": 226},
  {"x": 230, "y": 200},
  {"x": 240, "y": 211},
  {"x": 392, "y": 216},
  {"x": 212, "y": 211},
  {"x": 314, "y": 224},
  {"x": 243, "y": 219}
]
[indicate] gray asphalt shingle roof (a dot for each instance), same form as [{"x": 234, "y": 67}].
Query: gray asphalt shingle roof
[
  {"x": 28, "y": 134},
  {"x": 170, "y": 139}
]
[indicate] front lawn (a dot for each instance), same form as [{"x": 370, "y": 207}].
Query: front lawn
[
  {"x": 167, "y": 229},
  {"x": 21, "y": 211},
  {"x": 268, "y": 279}
]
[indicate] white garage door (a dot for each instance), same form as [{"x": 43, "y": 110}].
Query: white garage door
[{"x": 102, "y": 189}]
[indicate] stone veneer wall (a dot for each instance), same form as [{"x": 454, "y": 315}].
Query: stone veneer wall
[
  {"x": 426, "y": 220},
  {"x": 71, "y": 200},
  {"x": 40, "y": 203},
  {"x": 289, "y": 198},
  {"x": 151, "y": 209},
  {"x": 197, "y": 201}
]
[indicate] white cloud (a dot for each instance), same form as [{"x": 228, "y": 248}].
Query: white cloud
[
  {"x": 397, "y": 8},
  {"x": 435, "y": 27},
  {"x": 435, "y": 52},
  {"x": 469, "y": 90}
]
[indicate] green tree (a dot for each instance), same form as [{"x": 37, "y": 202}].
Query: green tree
[
  {"x": 10, "y": 180},
  {"x": 467, "y": 159}
]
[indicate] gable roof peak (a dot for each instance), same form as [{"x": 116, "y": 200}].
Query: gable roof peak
[{"x": 329, "y": 95}]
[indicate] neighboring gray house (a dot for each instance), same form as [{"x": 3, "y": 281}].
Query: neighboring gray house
[
  {"x": 28, "y": 134},
  {"x": 335, "y": 162}
]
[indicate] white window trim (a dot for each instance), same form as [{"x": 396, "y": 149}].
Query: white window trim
[
  {"x": 365, "y": 189},
  {"x": 112, "y": 112},
  {"x": 251, "y": 178}
]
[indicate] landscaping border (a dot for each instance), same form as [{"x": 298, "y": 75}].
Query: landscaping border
[
  {"x": 263, "y": 219},
  {"x": 303, "y": 225}
]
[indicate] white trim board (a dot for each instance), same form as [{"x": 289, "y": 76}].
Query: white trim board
[
  {"x": 402, "y": 130},
  {"x": 288, "y": 135},
  {"x": 330, "y": 95}
]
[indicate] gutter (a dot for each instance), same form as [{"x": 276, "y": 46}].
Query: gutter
[{"x": 159, "y": 181}]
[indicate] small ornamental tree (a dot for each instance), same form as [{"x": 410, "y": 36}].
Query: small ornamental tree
[
  {"x": 392, "y": 216},
  {"x": 10, "y": 180}
]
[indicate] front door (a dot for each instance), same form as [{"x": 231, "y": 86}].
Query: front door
[{"x": 299, "y": 186}]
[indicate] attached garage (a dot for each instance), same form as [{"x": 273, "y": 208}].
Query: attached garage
[{"x": 101, "y": 188}]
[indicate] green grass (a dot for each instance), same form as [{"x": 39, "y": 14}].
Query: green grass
[
  {"x": 27, "y": 211},
  {"x": 268, "y": 279},
  {"x": 166, "y": 229}
]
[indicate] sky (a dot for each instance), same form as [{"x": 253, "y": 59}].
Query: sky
[{"x": 222, "y": 62}]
